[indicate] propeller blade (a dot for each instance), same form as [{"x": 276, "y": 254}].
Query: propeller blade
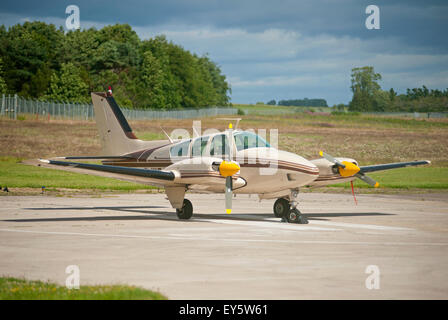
[
  {"x": 229, "y": 194},
  {"x": 231, "y": 141},
  {"x": 331, "y": 159},
  {"x": 228, "y": 169},
  {"x": 367, "y": 180}
]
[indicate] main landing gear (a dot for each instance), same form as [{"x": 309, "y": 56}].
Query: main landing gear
[
  {"x": 287, "y": 209},
  {"x": 186, "y": 211}
]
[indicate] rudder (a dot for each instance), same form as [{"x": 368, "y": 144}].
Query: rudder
[{"x": 115, "y": 134}]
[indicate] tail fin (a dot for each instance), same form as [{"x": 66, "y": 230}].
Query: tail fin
[{"x": 116, "y": 135}]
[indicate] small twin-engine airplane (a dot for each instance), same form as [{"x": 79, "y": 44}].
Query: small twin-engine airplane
[{"x": 232, "y": 161}]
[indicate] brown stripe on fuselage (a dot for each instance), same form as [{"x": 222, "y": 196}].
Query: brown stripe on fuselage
[
  {"x": 258, "y": 164},
  {"x": 147, "y": 152},
  {"x": 329, "y": 178}
]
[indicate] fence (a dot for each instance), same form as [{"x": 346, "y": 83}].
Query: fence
[
  {"x": 281, "y": 110},
  {"x": 15, "y": 106},
  {"x": 416, "y": 115}
]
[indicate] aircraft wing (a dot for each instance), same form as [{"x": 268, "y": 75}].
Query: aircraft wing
[
  {"x": 159, "y": 178},
  {"x": 388, "y": 166},
  {"x": 188, "y": 172}
]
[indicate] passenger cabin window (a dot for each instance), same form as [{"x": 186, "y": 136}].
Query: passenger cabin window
[
  {"x": 219, "y": 145},
  {"x": 180, "y": 150},
  {"x": 198, "y": 147},
  {"x": 245, "y": 140}
]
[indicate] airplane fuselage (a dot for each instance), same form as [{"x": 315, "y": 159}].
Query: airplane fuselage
[{"x": 266, "y": 171}]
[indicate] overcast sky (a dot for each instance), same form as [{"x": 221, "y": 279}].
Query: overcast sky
[{"x": 281, "y": 49}]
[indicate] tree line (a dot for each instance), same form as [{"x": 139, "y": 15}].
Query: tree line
[
  {"x": 300, "y": 102},
  {"x": 369, "y": 97},
  {"x": 38, "y": 60}
]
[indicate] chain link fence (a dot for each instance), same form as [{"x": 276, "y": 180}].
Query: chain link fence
[
  {"x": 416, "y": 115},
  {"x": 15, "y": 107}
]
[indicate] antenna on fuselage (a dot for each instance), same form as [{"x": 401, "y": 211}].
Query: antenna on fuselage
[
  {"x": 232, "y": 119},
  {"x": 169, "y": 138}
]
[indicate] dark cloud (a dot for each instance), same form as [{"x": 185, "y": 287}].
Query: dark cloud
[
  {"x": 419, "y": 22},
  {"x": 281, "y": 49}
]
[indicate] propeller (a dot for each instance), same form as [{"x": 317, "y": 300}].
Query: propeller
[
  {"x": 227, "y": 169},
  {"x": 348, "y": 169}
]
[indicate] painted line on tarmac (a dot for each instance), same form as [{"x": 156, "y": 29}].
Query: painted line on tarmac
[
  {"x": 360, "y": 226},
  {"x": 275, "y": 223},
  {"x": 268, "y": 225},
  {"x": 390, "y": 243}
]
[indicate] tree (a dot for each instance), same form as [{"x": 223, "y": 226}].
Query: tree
[
  {"x": 381, "y": 101},
  {"x": 339, "y": 107},
  {"x": 304, "y": 102},
  {"x": 25, "y": 48},
  {"x": 364, "y": 87},
  {"x": 153, "y": 78},
  {"x": 3, "y": 86},
  {"x": 39, "y": 60},
  {"x": 271, "y": 102},
  {"x": 68, "y": 85}
]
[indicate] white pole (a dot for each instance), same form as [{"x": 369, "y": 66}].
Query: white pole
[{"x": 15, "y": 107}]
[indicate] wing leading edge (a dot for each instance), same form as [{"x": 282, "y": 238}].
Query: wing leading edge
[
  {"x": 146, "y": 173},
  {"x": 388, "y": 166}
]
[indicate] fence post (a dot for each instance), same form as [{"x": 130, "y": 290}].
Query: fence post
[
  {"x": 15, "y": 107},
  {"x": 3, "y": 104}
]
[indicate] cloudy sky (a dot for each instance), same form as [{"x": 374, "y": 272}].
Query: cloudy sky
[{"x": 275, "y": 49}]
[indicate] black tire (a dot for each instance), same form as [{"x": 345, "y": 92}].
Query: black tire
[
  {"x": 186, "y": 212},
  {"x": 281, "y": 207},
  {"x": 294, "y": 216}
]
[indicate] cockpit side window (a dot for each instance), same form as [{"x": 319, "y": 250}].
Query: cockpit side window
[
  {"x": 246, "y": 140},
  {"x": 180, "y": 150},
  {"x": 199, "y": 145},
  {"x": 219, "y": 145}
]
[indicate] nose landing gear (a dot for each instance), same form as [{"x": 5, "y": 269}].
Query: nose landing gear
[{"x": 287, "y": 210}]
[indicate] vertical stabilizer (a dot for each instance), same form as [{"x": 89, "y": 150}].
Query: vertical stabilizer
[{"x": 115, "y": 134}]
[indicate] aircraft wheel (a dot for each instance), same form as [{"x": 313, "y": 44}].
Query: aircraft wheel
[
  {"x": 281, "y": 207},
  {"x": 186, "y": 211},
  {"x": 294, "y": 216}
]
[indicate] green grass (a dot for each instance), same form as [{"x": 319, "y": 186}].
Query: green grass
[
  {"x": 407, "y": 178},
  {"x": 16, "y": 175},
  {"x": 150, "y": 135},
  {"x": 385, "y": 122},
  {"x": 20, "y": 289},
  {"x": 350, "y": 121}
]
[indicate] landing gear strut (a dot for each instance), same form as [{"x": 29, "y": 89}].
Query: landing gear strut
[
  {"x": 186, "y": 211},
  {"x": 287, "y": 210}
]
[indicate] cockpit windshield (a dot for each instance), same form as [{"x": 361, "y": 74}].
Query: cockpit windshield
[{"x": 246, "y": 140}]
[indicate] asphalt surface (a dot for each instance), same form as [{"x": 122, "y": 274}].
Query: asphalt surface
[{"x": 401, "y": 240}]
